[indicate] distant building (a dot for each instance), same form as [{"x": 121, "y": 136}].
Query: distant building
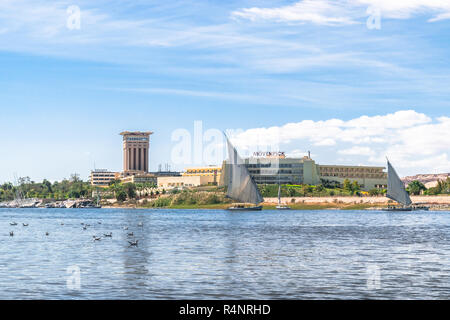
[
  {"x": 213, "y": 172},
  {"x": 141, "y": 178},
  {"x": 279, "y": 169},
  {"x": 102, "y": 177},
  {"x": 184, "y": 181},
  {"x": 367, "y": 177},
  {"x": 135, "y": 152},
  {"x": 166, "y": 174}
]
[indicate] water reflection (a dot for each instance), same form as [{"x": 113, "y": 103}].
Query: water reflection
[{"x": 136, "y": 259}]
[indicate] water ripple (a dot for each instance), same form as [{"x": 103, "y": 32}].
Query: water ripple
[{"x": 189, "y": 254}]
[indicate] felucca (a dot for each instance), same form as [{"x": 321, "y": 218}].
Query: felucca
[
  {"x": 397, "y": 192},
  {"x": 281, "y": 206},
  {"x": 241, "y": 186}
]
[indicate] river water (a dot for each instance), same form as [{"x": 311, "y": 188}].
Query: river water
[{"x": 214, "y": 254}]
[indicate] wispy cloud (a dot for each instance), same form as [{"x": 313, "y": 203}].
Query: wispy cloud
[
  {"x": 405, "y": 9},
  {"x": 322, "y": 12},
  {"x": 191, "y": 93},
  {"x": 292, "y": 66},
  {"x": 440, "y": 17},
  {"x": 107, "y": 35},
  {"x": 344, "y": 12}
]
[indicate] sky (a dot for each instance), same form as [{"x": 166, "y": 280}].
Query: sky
[{"x": 352, "y": 81}]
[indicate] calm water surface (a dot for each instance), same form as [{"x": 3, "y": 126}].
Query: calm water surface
[{"x": 208, "y": 254}]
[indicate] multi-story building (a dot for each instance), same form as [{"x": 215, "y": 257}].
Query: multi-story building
[
  {"x": 102, "y": 177},
  {"x": 135, "y": 163},
  {"x": 274, "y": 170},
  {"x": 213, "y": 172},
  {"x": 367, "y": 177},
  {"x": 166, "y": 173},
  {"x": 141, "y": 178},
  {"x": 183, "y": 181},
  {"x": 135, "y": 152}
]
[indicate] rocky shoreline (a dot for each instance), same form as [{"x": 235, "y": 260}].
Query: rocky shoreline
[{"x": 40, "y": 203}]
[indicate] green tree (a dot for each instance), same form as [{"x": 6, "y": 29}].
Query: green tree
[
  {"x": 355, "y": 187},
  {"x": 291, "y": 192},
  {"x": 75, "y": 177},
  {"x": 347, "y": 185},
  {"x": 121, "y": 196},
  {"x": 416, "y": 187},
  {"x": 130, "y": 189}
]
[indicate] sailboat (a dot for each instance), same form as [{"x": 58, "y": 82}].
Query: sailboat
[
  {"x": 397, "y": 192},
  {"x": 281, "y": 206},
  {"x": 97, "y": 205},
  {"x": 241, "y": 186}
]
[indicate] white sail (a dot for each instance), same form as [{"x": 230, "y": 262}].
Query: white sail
[
  {"x": 396, "y": 189},
  {"x": 241, "y": 186},
  {"x": 279, "y": 194}
]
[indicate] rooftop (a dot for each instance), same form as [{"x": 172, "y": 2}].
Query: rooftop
[{"x": 136, "y": 133}]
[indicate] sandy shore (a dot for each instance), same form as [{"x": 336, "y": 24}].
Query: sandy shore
[
  {"x": 359, "y": 200},
  {"x": 317, "y": 203}
]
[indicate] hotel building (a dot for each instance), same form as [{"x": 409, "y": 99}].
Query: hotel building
[
  {"x": 141, "y": 178},
  {"x": 192, "y": 177},
  {"x": 135, "y": 152},
  {"x": 183, "y": 181},
  {"x": 213, "y": 172},
  {"x": 274, "y": 170},
  {"x": 367, "y": 177},
  {"x": 102, "y": 177}
]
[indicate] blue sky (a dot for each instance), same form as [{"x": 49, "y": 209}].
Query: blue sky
[{"x": 150, "y": 65}]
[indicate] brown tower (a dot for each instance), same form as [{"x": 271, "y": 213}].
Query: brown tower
[{"x": 135, "y": 152}]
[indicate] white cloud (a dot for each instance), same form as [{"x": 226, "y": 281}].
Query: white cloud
[
  {"x": 404, "y": 9},
  {"x": 413, "y": 141},
  {"x": 314, "y": 11},
  {"x": 297, "y": 153},
  {"x": 439, "y": 17},
  {"x": 342, "y": 12},
  {"x": 357, "y": 151},
  {"x": 325, "y": 143}
]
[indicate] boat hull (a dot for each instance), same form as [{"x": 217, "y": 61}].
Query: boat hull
[
  {"x": 406, "y": 209},
  {"x": 255, "y": 208},
  {"x": 282, "y": 208},
  {"x": 397, "y": 209}
]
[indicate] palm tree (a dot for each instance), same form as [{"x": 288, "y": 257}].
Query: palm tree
[
  {"x": 416, "y": 187},
  {"x": 140, "y": 187}
]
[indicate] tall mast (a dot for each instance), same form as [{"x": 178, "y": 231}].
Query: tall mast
[
  {"x": 241, "y": 186},
  {"x": 396, "y": 189}
]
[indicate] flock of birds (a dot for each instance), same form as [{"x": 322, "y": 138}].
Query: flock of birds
[{"x": 133, "y": 243}]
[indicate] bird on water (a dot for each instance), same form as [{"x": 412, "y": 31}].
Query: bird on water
[{"x": 133, "y": 243}]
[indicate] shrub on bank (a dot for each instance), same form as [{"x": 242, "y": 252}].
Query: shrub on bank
[
  {"x": 161, "y": 202},
  {"x": 190, "y": 198}
]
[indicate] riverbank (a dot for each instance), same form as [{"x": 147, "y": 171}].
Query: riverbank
[
  {"x": 302, "y": 203},
  {"x": 202, "y": 200},
  {"x": 430, "y": 200}
]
